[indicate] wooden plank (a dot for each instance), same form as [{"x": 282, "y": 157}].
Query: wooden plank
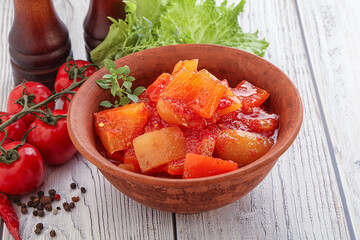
[
  {"x": 6, "y": 83},
  {"x": 103, "y": 212},
  {"x": 6, "y": 17},
  {"x": 332, "y": 37},
  {"x": 300, "y": 198}
]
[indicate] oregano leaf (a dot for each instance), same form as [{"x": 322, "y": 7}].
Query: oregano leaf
[
  {"x": 113, "y": 90},
  {"x": 127, "y": 85},
  {"x": 139, "y": 90},
  {"x": 126, "y": 70},
  {"x": 103, "y": 84},
  {"x": 124, "y": 101},
  {"x": 133, "y": 98},
  {"x": 107, "y": 76},
  {"x": 109, "y": 64},
  {"x": 130, "y": 79},
  {"x": 106, "y": 104},
  {"x": 120, "y": 70},
  {"x": 123, "y": 92}
]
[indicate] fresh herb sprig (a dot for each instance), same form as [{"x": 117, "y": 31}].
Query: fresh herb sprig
[{"x": 111, "y": 81}]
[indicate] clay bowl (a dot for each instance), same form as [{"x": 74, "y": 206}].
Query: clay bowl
[{"x": 192, "y": 195}]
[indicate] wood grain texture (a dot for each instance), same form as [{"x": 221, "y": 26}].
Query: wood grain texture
[
  {"x": 103, "y": 212},
  {"x": 6, "y": 82},
  {"x": 332, "y": 38},
  {"x": 300, "y": 199}
]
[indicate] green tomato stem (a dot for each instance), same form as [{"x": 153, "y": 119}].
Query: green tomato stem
[{"x": 35, "y": 108}]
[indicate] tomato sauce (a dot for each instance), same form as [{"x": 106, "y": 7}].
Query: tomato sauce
[{"x": 240, "y": 129}]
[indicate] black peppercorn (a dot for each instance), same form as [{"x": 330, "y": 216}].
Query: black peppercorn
[
  {"x": 38, "y": 231},
  {"x": 40, "y": 194},
  {"x": 36, "y": 202},
  {"x": 73, "y": 185},
  {"x": 83, "y": 190},
  {"x": 67, "y": 208},
  {"x": 41, "y": 213},
  {"x": 40, "y": 207},
  {"x": 45, "y": 200},
  {"x": 35, "y": 213},
  {"x": 24, "y": 211},
  {"x": 48, "y": 207},
  {"x": 52, "y": 233},
  {"x": 40, "y": 225},
  {"x": 30, "y": 203},
  {"x": 52, "y": 191}
]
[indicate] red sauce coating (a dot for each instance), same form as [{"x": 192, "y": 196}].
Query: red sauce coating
[{"x": 201, "y": 134}]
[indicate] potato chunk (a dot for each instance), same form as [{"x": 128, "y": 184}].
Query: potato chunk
[
  {"x": 117, "y": 127},
  {"x": 156, "y": 148},
  {"x": 242, "y": 147}
]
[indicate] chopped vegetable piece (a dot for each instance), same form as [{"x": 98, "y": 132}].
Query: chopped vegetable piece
[
  {"x": 242, "y": 147},
  {"x": 155, "y": 122},
  {"x": 116, "y": 156},
  {"x": 179, "y": 86},
  {"x": 201, "y": 141},
  {"x": 156, "y": 88},
  {"x": 190, "y": 65},
  {"x": 128, "y": 167},
  {"x": 229, "y": 102},
  {"x": 156, "y": 148},
  {"x": 130, "y": 158},
  {"x": 177, "y": 113},
  {"x": 176, "y": 167},
  {"x": 260, "y": 121},
  {"x": 197, "y": 166},
  {"x": 199, "y": 93},
  {"x": 117, "y": 127},
  {"x": 250, "y": 95}
]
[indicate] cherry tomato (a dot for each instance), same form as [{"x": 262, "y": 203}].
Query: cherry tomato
[
  {"x": 15, "y": 131},
  {"x": 53, "y": 142},
  {"x": 23, "y": 175},
  {"x": 63, "y": 80},
  {"x": 36, "y": 92}
]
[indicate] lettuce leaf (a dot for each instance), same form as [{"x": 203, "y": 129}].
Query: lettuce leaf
[{"x": 156, "y": 23}]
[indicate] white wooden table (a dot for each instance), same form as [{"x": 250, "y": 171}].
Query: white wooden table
[{"x": 313, "y": 192}]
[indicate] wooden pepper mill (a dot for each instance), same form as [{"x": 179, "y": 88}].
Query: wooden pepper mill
[
  {"x": 39, "y": 42},
  {"x": 96, "y": 24}
]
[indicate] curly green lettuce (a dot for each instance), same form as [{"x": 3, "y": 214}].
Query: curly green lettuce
[{"x": 156, "y": 23}]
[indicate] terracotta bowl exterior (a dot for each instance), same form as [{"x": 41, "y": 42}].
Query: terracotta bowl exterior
[{"x": 190, "y": 195}]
